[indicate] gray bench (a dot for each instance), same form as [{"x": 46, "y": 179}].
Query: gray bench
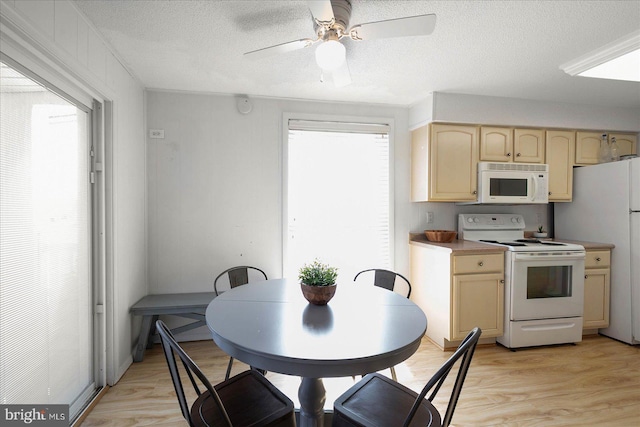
[{"x": 190, "y": 306}]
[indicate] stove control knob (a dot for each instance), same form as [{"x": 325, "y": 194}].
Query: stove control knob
[
  {"x": 470, "y": 219},
  {"x": 515, "y": 219},
  {"x": 476, "y": 220}
]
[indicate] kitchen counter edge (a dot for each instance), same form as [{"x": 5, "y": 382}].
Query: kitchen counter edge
[
  {"x": 471, "y": 247},
  {"x": 457, "y": 246}
]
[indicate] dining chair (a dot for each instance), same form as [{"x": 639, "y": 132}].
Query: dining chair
[
  {"x": 237, "y": 276},
  {"x": 247, "y": 399},
  {"x": 387, "y": 279},
  {"x": 377, "y": 401}
]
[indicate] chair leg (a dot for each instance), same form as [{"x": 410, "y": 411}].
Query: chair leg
[
  {"x": 393, "y": 373},
  {"x": 226, "y": 377},
  {"x": 262, "y": 371}
]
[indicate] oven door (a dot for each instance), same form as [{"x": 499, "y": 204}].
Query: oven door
[{"x": 546, "y": 285}]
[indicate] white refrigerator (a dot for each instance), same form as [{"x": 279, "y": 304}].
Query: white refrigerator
[{"x": 606, "y": 209}]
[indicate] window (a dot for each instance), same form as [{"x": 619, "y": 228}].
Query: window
[{"x": 338, "y": 205}]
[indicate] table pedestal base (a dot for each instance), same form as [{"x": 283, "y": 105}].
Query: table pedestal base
[{"x": 312, "y": 397}]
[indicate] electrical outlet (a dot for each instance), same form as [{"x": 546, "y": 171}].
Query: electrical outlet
[{"x": 429, "y": 217}]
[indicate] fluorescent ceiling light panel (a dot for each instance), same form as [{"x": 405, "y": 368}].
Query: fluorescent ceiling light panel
[{"x": 619, "y": 60}]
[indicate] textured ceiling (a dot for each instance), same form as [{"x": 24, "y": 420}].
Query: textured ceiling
[{"x": 496, "y": 48}]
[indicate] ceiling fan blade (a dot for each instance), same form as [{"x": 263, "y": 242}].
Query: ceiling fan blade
[
  {"x": 341, "y": 76},
  {"x": 279, "y": 48},
  {"x": 421, "y": 25},
  {"x": 321, "y": 10}
]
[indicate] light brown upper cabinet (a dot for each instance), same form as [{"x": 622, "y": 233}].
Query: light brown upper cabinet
[
  {"x": 444, "y": 163},
  {"x": 626, "y": 143},
  {"x": 498, "y": 144},
  {"x": 588, "y": 146},
  {"x": 528, "y": 145},
  {"x": 559, "y": 157}
]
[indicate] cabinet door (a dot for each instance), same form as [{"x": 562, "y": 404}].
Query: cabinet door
[
  {"x": 478, "y": 300},
  {"x": 587, "y": 147},
  {"x": 453, "y": 163},
  {"x": 528, "y": 145},
  {"x": 559, "y": 155},
  {"x": 626, "y": 143},
  {"x": 596, "y": 298},
  {"x": 496, "y": 144}
]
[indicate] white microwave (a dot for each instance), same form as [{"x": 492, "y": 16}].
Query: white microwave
[{"x": 513, "y": 183}]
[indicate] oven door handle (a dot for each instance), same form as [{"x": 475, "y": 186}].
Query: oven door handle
[{"x": 560, "y": 256}]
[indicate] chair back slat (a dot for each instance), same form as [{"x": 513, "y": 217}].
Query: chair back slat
[
  {"x": 385, "y": 279},
  {"x": 238, "y": 277}
]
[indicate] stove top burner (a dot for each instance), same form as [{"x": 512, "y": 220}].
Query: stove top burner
[
  {"x": 503, "y": 243},
  {"x": 523, "y": 242},
  {"x": 541, "y": 242}
]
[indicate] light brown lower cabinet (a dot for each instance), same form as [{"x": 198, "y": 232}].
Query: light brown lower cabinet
[
  {"x": 597, "y": 289},
  {"x": 458, "y": 292}
]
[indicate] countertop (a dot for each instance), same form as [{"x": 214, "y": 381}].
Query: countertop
[
  {"x": 471, "y": 247},
  {"x": 457, "y": 246},
  {"x": 588, "y": 245}
]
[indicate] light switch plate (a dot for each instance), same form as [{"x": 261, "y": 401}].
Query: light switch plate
[{"x": 156, "y": 133}]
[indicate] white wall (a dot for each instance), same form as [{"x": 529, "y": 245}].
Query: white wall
[
  {"x": 492, "y": 110},
  {"x": 53, "y": 39},
  {"x": 215, "y": 184}
]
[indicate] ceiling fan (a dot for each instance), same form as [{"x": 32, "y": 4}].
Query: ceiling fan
[{"x": 331, "y": 24}]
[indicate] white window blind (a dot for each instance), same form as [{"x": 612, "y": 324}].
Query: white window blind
[
  {"x": 338, "y": 197},
  {"x": 46, "y": 326}
]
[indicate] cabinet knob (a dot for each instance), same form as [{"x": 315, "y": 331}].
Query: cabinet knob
[
  {"x": 598, "y": 259},
  {"x": 586, "y": 276},
  {"x": 475, "y": 192},
  {"x": 518, "y": 155},
  {"x": 502, "y": 281},
  {"x": 481, "y": 263},
  {"x": 508, "y": 154}
]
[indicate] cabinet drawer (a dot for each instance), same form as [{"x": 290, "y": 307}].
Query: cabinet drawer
[
  {"x": 597, "y": 259},
  {"x": 467, "y": 264}
]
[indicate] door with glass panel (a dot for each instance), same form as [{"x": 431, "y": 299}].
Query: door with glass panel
[{"x": 46, "y": 286}]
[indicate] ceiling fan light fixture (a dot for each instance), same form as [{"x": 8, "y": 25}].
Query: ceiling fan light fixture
[{"x": 330, "y": 55}]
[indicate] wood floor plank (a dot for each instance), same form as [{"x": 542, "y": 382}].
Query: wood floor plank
[{"x": 595, "y": 382}]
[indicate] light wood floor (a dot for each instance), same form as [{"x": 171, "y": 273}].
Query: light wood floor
[{"x": 596, "y": 382}]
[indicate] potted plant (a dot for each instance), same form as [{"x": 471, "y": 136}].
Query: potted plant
[
  {"x": 318, "y": 282},
  {"x": 540, "y": 232}
]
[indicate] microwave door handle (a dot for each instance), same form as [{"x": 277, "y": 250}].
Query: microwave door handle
[{"x": 535, "y": 187}]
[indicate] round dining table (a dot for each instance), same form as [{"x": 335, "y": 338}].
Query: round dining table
[{"x": 269, "y": 325}]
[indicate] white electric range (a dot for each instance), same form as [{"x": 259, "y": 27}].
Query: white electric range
[{"x": 544, "y": 281}]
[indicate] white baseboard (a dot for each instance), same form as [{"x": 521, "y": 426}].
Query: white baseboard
[{"x": 123, "y": 368}]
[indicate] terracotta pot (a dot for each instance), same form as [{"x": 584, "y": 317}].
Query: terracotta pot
[{"x": 318, "y": 295}]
